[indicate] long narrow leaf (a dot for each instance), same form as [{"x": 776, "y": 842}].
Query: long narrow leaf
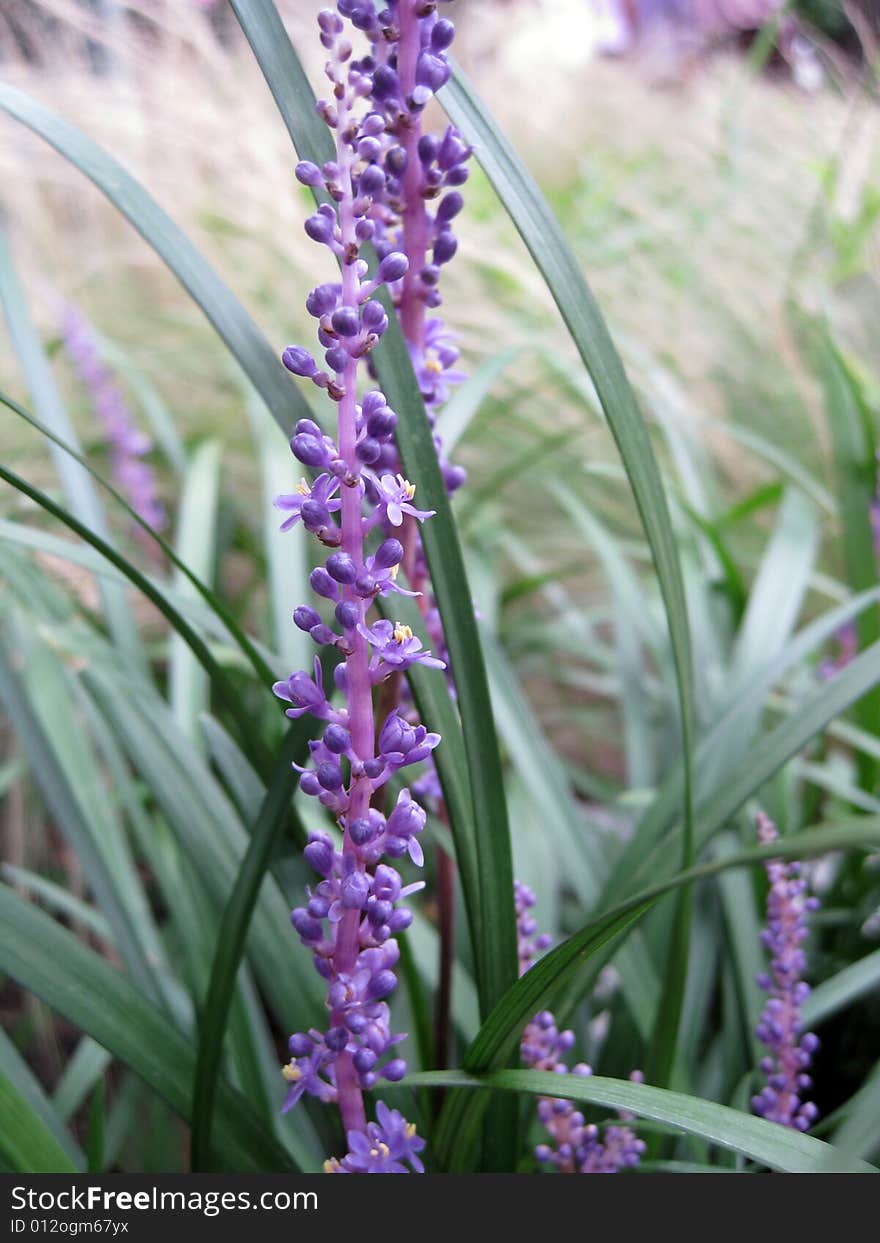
[
  {"x": 779, "y": 1148},
  {"x": 88, "y": 992}
]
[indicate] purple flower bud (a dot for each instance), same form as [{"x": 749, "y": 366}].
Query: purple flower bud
[
  {"x": 432, "y": 71},
  {"x": 445, "y": 246},
  {"x": 306, "y": 617},
  {"x": 336, "y": 1039},
  {"x": 300, "y": 1045},
  {"x": 386, "y": 883},
  {"x": 310, "y": 930},
  {"x": 385, "y": 83},
  {"x": 381, "y": 985},
  {"x": 361, "y": 831},
  {"x": 299, "y": 361},
  {"x": 379, "y": 912},
  {"x": 315, "y": 516},
  {"x": 450, "y": 205},
  {"x": 341, "y": 567},
  {"x": 309, "y": 450},
  {"x": 310, "y": 785},
  {"x": 355, "y": 891},
  {"x": 322, "y": 584},
  {"x": 307, "y": 427},
  {"x": 428, "y": 148},
  {"x": 394, "y": 266},
  {"x": 308, "y": 173},
  {"x": 337, "y": 358},
  {"x": 337, "y": 739},
  {"x": 396, "y": 161},
  {"x": 329, "y": 775},
  {"x": 395, "y": 1070},
  {"x": 320, "y": 228},
  {"x": 373, "y": 314},
  {"x": 368, "y": 450},
  {"x": 381, "y": 424},
  {"x": 345, "y": 322},
  {"x": 442, "y": 35},
  {"x": 365, "y": 585},
  {"x": 348, "y": 614},
  {"x": 371, "y": 181},
  {"x": 364, "y": 1061},
  {"x": 322, "y": 300},
  {"x": 389, "y": 553}
]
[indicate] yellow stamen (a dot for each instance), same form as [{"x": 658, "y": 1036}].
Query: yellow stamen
[
  {"x": 291, "y": 1073},
  {"x": 433, "y": 364},
  {"x": 331, "y": 1166},
  {"x": 393, "y": 572},
  {"x": 410, "y": 1130},
  {"x": 384, "y": 1149},
  {"x": 402, "y": 633},
  {"x": 409, "y": 489},
  {"x": 303, "y": 489}
]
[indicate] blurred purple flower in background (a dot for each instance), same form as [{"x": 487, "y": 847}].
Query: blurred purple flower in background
[
  {"x": 578, "y": 1147},
  {"x": 127, "y": 444}
]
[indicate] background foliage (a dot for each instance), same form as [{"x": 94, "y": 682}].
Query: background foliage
[{"x": 660, "y": 572}]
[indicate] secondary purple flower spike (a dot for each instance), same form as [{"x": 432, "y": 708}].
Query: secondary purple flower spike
[
  {"x": 128, "y": 444},
  {"x": 355, "y": 911},
  {"x": 578, "y": 1147},
  {"x": 790, "y": 1052}
]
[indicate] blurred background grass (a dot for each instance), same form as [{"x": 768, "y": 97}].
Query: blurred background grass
[
  {"x": 718, "y": 208},
  {"x": 704, "y": 192}
]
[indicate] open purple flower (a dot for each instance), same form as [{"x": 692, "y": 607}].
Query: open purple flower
[
  {"x": 395, "y": 648},
  {"x": 321, "y": 495}
]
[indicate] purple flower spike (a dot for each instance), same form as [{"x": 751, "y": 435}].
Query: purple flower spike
[
  {"x": 128, "y": 445},
  {"x": 577, "y": 1148},
  {"x": 790, "y": 1051}
]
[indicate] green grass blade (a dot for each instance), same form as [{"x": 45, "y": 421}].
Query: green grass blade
[
  {"x": 260, "y": 363},
  {"x": 83, "y": 1070},
  {"x": 848, "y": 986},
  {"x": 49, "y": 962},
  {"x": 16, "y": 1072},
  {"x": 855, "y": 464},
  {"x": 196, "y": 542},
  {"x": 522, "y": 199},
  {"x": 26, "y": 1143},
  {"x": 464, "y": 404},
  {"x": 72, "y": 819},
  {"x": 264, "y": 673},
  {"x": 779, "y": 1148},
  {"x": 197, "y": 645},
  {"x": 234, "y": 926}
]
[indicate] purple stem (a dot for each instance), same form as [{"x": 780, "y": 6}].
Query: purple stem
[
  {"x": 412, "y": 306},
  {"x": 360, "y": 700}
]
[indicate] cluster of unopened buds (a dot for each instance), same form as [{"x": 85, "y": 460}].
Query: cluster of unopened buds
[
  {"x": 790, "y": 1050},
  {"x": 577, "y": 1147},
  {"x": 394, "y": 189}
]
